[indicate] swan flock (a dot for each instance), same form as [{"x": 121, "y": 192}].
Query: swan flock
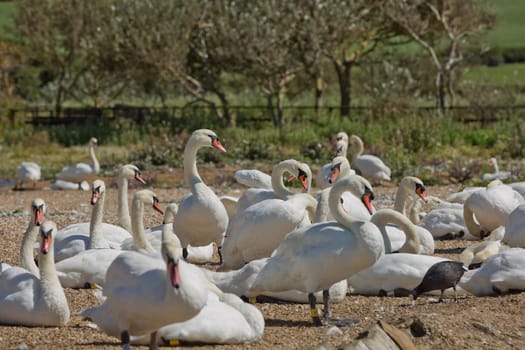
[{"x": 189, "y": 276}]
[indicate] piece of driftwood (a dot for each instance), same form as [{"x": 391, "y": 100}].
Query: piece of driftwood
[{"x": 382, "y": 336}]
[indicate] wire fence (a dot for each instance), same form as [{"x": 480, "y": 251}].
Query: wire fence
[{"x": 247, "y": 115}]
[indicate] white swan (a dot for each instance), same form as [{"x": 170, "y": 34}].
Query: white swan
[
  {"x": 93, "y": 234},
  {"x": 411, "y": 243},
  {"x": 239, "y": 281},
  {"x": 518, "y": 187},
  {"x": 89, "y": 267},
  {"x": 478, "y": 252},
  {"x": 257, "y": 231},
  {"x": 324, "y": 173},
  {"x": 490, "y": 207},
  {"x": 27, "y": 172},
  {"x": 515, "y": 228},
  {"x": 253, "y": 178},
  {"x": 501, "y": 273},
  {"x": 298, "y": 170},
  {"x": 144, "y": 292},
  {"x": 496, "y": 175},
  {"x": 224, "y": 320},
  {"x": 461, "y": 196},
  {"x": 154, "y": 237},
  {"x": 351, "y": 204},
  {"x": 315, "y": 257},
  {"x": 27, "y": 260},
  {"x": 126, "y": 172},
  {"x": 392, "y": 271},
  {"x": 79, "y": 172},
  {"x": 66, "y": 185},
  {"x": 444, "y": 221},
  {"x": 202, "y": 218},
  {"x": 27, "y": 300},
  {"x": 370, "y": 166}
]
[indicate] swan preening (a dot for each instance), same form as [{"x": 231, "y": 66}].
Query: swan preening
[
  {"x": 79, "y": 172},
  {"x": 27, "y": 172},
  {"x": 27, "y": 300}
]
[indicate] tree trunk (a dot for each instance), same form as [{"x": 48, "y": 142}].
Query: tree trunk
[
  {"x": 345, "y": 86},
  {"x": 450, "y": 89},
  {"x": 269, "y": 99},
  {"x": 58, "y": 99},
  {"x": 226, "y": 111},
  {"x": 440, "y": 92},
  {"x": 319, "y": 90}
]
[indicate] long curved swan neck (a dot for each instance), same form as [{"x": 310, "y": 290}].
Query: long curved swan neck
[
  {"x": 468, "y": 215},
  {"x": 335, "y": 206},
  {"x": 27, "y": 260},
  {"x": 306, "y": 201},
  {"x": 124, "y": 217},
  {"x": 359, "y": 146},
  {"x": 278, "y": 186},
  {"x": 51, "y": 292},
  {"x": 96, "y": 165},
  {"x": 137, "y": 224},
  {"x": 495, "y": 165},
  {"x": 191, "y": 174},
  {"x": 401, "y": 197},
  {"x": 389, "y": 216},
  {"x": 322, "y": 210},
  {"x": 96, "y": 240}
]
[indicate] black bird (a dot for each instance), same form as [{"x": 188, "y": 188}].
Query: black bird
[{"x": 442, "y": 275}]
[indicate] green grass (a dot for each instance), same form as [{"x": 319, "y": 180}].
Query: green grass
[
  {"x": 500, "y": 75},
  {"x": 509, "y": 30},
  {"x": 7, "y": 13}
]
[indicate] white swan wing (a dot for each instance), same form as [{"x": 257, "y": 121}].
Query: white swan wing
[{"x": 76, "y": 172}]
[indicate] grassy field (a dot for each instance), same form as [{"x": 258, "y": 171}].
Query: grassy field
[
  {"x": 499, "y": 75},
  {"x": 7, "y": 12},
  {"x": 509, "y": 29}
]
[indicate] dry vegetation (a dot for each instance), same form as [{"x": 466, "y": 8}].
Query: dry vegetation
[{"x": 473, "y": 323}]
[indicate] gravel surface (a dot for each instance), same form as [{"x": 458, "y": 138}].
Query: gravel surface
[{"x": 472, "y": 323}]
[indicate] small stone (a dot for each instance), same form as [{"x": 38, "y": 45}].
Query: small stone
[
  {"x": 22, "y": 346},
  {"x": 334, "y": 331}
]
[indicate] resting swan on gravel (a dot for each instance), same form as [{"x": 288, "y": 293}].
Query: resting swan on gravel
[
  {"x": 27, "y": 300},
  {"x": 93, "y": 234},
  {"x": 145, "y": 292},
  {"x": 79, "y": 172},
  {"x": 371, "y": 167},
  {"x": 239, "y": 281},
  {"x": 89, "y": 267},
  {"x": 315, "y": 257},
  {"x": 490, "y": 207},
  {"x": 515, "y": 228},
  {"x": 202, "y": 218},
  {"x": 501, "y": 273},
  {"x": 225, "y": 319}
]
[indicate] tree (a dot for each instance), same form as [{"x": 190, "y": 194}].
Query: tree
[
  {"x": 52, "y": 34},
  {"x": 343, "y": 31},
  {"x": 438, "y": 25}
]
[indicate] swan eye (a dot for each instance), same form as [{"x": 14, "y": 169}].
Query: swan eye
[
  {"x": 369, "y": 192},
  {"x": 302, "y": 174},
  {"x": 420, "y": 188}
]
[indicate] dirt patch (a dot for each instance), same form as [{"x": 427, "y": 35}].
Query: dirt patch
[{"x": 472, "y": 323}]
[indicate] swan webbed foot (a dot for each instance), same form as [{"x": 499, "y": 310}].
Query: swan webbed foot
[
  {"x": 124, "y": 338},
  {"x": 153, "y": 341},
  {"x": 326, "y": 301},
  {"x": 313, "y": 310}
]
